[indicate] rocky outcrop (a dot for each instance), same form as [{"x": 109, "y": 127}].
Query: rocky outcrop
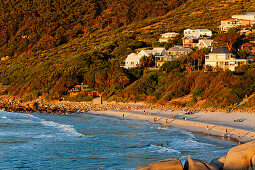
[
  {"x": 219, "y": 162},
  {"x": 192, "y": 164},
  {"x": 172, "y": 163},
  {"x": 241, "y": 157}
]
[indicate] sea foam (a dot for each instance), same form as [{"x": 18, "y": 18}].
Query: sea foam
[{"x": 68, "y": 129}]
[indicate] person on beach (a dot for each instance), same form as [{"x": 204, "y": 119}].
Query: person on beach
[
  {"x": 226, "y": 130},
  {"x": 166, "y": 121},
  {"x": 123, "y": 116},
  {"x": 207, "y": 127}
]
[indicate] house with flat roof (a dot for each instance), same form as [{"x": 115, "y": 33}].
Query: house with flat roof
[
  {"x": 167, "y": 36},
  {"x": 234, "y": 23},
  {"x": 197, "y": 33},
  {"x": 223, "y": 58}
]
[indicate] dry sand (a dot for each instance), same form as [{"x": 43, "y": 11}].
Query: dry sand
[{"x": 214, "y": 123}]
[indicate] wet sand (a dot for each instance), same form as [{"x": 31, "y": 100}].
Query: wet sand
[{"x": 219, "y": 123}]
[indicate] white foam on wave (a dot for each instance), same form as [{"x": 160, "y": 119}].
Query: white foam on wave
[
  {"x": 162, "y": 149},
  {"x": 176, "y": 130},
  {"x": 69, "y": 129}
]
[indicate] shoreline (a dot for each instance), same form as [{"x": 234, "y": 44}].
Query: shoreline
[
  {"x": 213, "y": 123},
  {"x": 192, "y": 126}
]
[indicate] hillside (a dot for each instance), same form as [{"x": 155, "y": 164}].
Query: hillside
[{"x": 55, "y": 45}]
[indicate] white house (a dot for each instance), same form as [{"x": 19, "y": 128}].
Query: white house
[
  {"x": 222, "y": 58},
  {"x": 133, "y": 59},
  {"x": 250, "y": 15},
  {"x": 167, "y": 36},
  {"x": 197, "y": 33},
  {"x": 204, "y": 43}
]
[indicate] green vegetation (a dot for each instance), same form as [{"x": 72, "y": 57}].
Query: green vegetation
[
  {"x": 54, "y": 45},
  {"x": 82, "y": 97}
]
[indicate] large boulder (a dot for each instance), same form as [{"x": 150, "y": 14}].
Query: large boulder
[
  {"x": 219, "y": 162},
  {"x": 241, "y": 157},
  {"x": 171, "y": 163},
  {"x": 192, "y": 164}
]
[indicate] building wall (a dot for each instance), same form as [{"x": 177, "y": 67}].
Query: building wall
[
  {"x": 248, "y": 17},
  {"x": 224, "y": 61}
]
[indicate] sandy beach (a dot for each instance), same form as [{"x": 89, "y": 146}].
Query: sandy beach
[
  {"x": 238, "y": 125},
  {"x": 212, "y": 123}
]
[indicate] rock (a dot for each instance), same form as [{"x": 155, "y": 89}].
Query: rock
[
  {"x": 192, "y": 164},
  {"x": 241, "y": 157},
  {"x": 219, "y": 162},
  {"x": 171, "y": 163}
]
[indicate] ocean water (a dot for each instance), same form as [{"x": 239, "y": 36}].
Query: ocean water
[{"x": 85, "y": 141}]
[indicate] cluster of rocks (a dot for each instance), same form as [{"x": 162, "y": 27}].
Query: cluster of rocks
[
  {"x": 35, "y": 107},
  {"x": 241, "y": 157}
]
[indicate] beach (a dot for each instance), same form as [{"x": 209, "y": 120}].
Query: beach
[
  {"x": 210, "y": 123},
  {"x": 235, "y": 124}
]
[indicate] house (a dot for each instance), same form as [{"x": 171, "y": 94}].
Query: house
[
  {"x": 83, "y": 88},
  {"x": 133, "y": 59},
  {"x": 222, "y": 58},
  {"x": 167, "y": 36},
  {"x": 178, "y": 51},
  {"x": 154, "y": 52},
  {"x": 197, "y": 33},
  {"x": 171, "y": 54},
  {"x": 233, "y": 23},
  {"x": 204, "y": 43},
  {"x": 160, "y": 60},
  {"x": 250, "y": 15},
  {"x": 190, "y": 41}
]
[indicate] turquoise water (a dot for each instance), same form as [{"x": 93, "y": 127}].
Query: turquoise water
[{"x": 35, "y": 141}]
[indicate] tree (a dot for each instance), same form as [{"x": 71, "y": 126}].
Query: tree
[
  {"x": 199, "y": 56},
  {"x": 147, "y": 62},
  {"x": 227, "y": 40}
]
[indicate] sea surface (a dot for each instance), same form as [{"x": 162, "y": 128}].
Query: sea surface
[{"x": 85, "y": 141}]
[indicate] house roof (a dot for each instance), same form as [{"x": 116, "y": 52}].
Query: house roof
[
  {"x": 204, "y": 30},
  {"x": 180, "y": 49},
  {"x": 190, "y": 37},
  {"x": 159, "y": 50},
  {"x": 133, "y": 56},
  {"x": 170, "y": 33},
  {"x": 154, "y": 51},
  {"x": 236, "y": 19},
  {"x": 221, "y": 50},
  {"x": 149, "y": 52},
  {"x": 208, "y": 42}
]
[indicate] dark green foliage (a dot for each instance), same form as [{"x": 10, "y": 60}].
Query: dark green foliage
[
  {"x": 197, "y": 93},
  {"x": 170, "y": 66}
]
